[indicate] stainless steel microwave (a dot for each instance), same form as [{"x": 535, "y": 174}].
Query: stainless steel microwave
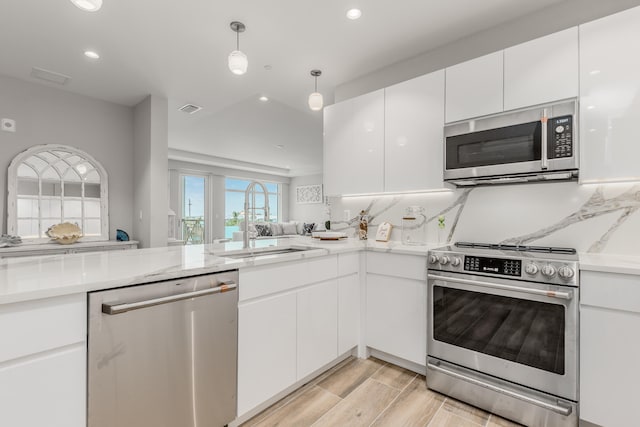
[{"x": 532, "y": 144}]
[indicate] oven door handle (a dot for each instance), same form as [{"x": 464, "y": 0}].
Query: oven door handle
[
  {"x": 562, "y": 410},
  {"x": 540, "y": 292}
]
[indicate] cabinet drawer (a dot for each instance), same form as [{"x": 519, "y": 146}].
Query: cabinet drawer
[
  {"x": 259, "y": 281},
  {"x": 407, "y": 266},
  {"x": 348, "y": 263},
  {"x": 40, "y": 325},
  {"x": 45, "y": 391},
  {"x": 610, "y": 290}
]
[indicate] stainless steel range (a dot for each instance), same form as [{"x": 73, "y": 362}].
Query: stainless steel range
[{"x": 503, "y": 330}]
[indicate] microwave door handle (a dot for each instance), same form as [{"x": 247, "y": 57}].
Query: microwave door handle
[{"x": 544, "y": 162}]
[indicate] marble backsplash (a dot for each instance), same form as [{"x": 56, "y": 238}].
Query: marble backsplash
[{"x": 591, "y": 218}]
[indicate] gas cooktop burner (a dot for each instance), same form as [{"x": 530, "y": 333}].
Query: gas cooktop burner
[{"x": 500, "y": 247}]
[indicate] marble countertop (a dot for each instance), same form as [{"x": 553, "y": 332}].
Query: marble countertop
[
  {"x": 622, "y": 264},
  {"x": 29, "y": 278}
]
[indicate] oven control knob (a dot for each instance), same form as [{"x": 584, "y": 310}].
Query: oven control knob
[
  {"x": 566, "y": 272},
  {"x": 560, "y": 129},
  {"x": 433, "y": 259},
  {"x": 444, "y": 260},
  {"x": 456, "y": 261},
  {"x": 531, "y": 269},
  {"x": 548, "y": 270}
]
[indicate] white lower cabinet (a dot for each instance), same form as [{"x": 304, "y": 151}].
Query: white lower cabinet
[
  {"x": 609, "y": 348},
  {"x": 266, "y": 349},
  {"x": 396, "y": 317},
  {"x": 317, "y": 327},
  {"x": 348, "y": 312},
  {"x": 46, "y": 390}
]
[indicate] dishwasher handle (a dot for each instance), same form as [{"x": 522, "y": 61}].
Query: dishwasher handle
[{"x": 124, "y": 307}]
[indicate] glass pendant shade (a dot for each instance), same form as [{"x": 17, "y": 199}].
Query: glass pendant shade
[
  {"x": 238, "y": 62},
  {"x": 315, "y": 101},
  {"x": 88, "y": 5}
]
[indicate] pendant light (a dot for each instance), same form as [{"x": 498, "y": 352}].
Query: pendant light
[
  {"x": 88, "y": 5},
  {"x": 237, "y": 59},
  {"x": 315, "y": 99}
]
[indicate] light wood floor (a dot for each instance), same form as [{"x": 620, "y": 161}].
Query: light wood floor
[{"x": 361, "y": 393}]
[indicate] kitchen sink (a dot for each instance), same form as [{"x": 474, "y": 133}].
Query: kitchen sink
[{"x": 260, "y": 252}]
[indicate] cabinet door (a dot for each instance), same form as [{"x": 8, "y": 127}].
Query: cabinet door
[
  {"x": 475, "y": 88},
  {"x": 354, "y": 145},
  {"x": 338, "y": 138},
  {"x": 48, "y": 390},
  {"x": 317, "y": 326},
  {"x": 348, "y": 312},
  {"x": 609, "y": 101},
  {"x": 266, "y": 349},
  {"x": 414, "y": 120},
  {"x": 609, "y": 371},
  {"x": 396, "y": 317},
  {"x": 542, "y": 70}
]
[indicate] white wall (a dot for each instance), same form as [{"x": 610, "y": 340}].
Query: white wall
[
  {"x": 150, "y": 157},
  {"x": 546, "y": 21},
  {"x": 312, "y": 212},
  {"x": 48, "y": 115}
]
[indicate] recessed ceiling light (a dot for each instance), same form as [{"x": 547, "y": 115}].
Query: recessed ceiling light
[
  {"x": 88, "y": 5},
  {"x": 91, "y": 54},
  {"x": 263, "y": 98},
  {"x": 354, "y": 14},
  {"x": 280, "y": 146},
  {"x": 591, "y": 107},
  {"x": 268, "y": 67},
  {"x": 594, "y": 72}
]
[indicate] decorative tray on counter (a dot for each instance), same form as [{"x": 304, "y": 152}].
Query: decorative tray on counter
[{"x": 329, "y": 235}]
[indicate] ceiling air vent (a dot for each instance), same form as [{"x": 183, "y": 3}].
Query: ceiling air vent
[
  {"x": 190, "y": 108},
  {"x": 49, "y": 76}
]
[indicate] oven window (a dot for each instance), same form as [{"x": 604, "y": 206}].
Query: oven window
[
  {"x": 526, "y": 332},
  {"x": 512, "y": 144}
]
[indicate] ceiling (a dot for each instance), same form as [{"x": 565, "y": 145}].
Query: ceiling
[{"x": 179, "y": 49}]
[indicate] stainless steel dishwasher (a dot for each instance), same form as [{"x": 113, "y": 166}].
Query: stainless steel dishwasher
[{"x": 164, "y": 354}]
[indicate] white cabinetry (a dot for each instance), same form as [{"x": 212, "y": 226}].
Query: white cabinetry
[
  {"x": 354, "y": 145},
  {"x": 396, "y": 305},
  {"x": 43, "y": 362},
  {"x": 291, "y": 318},
  {"x": 475, "y": 88},
  {"x": 266, "y": 349},
  {"x": 542, "y": 70},
  {"x": 317, "y": 327},
  {"x": 609, "y": 101},
  {"x": 609, "y": 348},
  {"x": 414, "y": 120}
]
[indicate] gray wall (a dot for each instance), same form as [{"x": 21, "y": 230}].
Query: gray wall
[
  {"x": 48, "y": 115},
  {"x": 549, "y": 20}
]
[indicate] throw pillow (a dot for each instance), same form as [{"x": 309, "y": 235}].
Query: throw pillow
[
  {"x": 308, "y": 228},
  {"x": 289, "y": 228},
  {"x": 276, "y": 229},
  {"x": 263, "y": 229}
]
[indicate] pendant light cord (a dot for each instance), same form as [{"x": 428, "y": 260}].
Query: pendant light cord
[
  {"x": 316, "y": 78},
  {"x": 237, "y": 40}
]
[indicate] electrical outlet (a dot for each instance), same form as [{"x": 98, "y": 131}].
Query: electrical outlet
[
  {"x": 8, "y": 125},
  {"x": 346, "y": 215}
]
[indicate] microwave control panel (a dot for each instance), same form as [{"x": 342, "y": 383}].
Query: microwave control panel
[
  {"x": 505, "y": 267},
  {"x": 560, "y": 137}
]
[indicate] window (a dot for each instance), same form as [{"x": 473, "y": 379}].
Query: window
[
  {"x": 50, "y": 184},
  {"x": 194, "y": 202},
  {"x": 234, "y": 204}
]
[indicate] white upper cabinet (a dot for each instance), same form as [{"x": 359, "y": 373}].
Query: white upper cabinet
[
  {"x": 542, "y": 70},
  {"x": 414, "y": 120},
  {"x": 354, "y": 145},
  {"x": 475, "y": 88},
  {"x": 609, "y": 98}
]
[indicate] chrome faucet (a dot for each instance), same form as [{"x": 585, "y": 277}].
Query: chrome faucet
[{"x": 250, "y": 188}]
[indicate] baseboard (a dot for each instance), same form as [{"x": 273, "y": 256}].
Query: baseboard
[{"x": 403, "y": 363}]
